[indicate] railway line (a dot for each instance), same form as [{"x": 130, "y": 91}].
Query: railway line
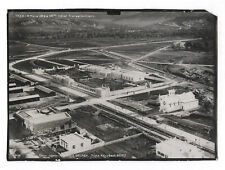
[{"x": 152, "y": 130}]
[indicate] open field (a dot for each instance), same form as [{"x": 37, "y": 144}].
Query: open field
[
  {"x": 182, "y": 57},
  {"x": 138, "y": 51},
  {"x": 136, "y": 148},
  {"x": 96, "y": 42},
  {"x": 97, "y": 61},
  {"x": 20, "y": 48},
  {"x": 62, "y": 61},
  {"x": 78, "y": 55},
  {"x": 28, "y": 65},
  {"x": 74, "y": 43}
]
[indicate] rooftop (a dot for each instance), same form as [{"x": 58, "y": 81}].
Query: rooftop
[
  {"x": 75, "y": 137},
  {"x": 36, "y": 116},
  {"x": 184, "y": 97},
  {"x": 44, "y": 89},
  {"x": 15, "y": 88},
  {"x": 21, "y": 79},
  {"x": 23, "y": 97},
  {"x": 176, "y": 148}
]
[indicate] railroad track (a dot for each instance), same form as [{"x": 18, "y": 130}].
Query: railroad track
[{"x": 156, "y": 133}]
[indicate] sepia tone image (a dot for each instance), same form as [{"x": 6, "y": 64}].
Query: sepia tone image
[{"x": 112, "y": 85}]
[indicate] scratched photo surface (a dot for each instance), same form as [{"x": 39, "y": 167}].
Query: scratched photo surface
[{"x": 112, "y": 85}]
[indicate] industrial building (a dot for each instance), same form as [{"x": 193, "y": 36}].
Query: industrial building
[
  {"x": 40, "y": 120},
  {"x": 173, "y": 102},
  {"x": 22, "y": 81},
  {"x": 15, "y": 90},
  {"x": 66, "y": 80},
  {"x": 116, "y": 73},
  {"x": 24, "y": 99},
  {"x": 175, "y": 148},
  {"x": 47, "y": 91},
  {"x": 11, "y": 85}
]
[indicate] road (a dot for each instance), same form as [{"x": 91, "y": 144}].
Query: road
[
  {"x": 92, "y": 48},
  {"x": 176, "y": 64},
  {"x": 150, "y": 54},
  {"x": 101, "y": 100},
  {"x": 152, "y": 42}
]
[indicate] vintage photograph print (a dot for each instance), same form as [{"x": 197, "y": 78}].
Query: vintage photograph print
[{"x": 112, "y": 85}]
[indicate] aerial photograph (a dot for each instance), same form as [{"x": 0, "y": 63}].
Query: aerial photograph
[{"x": 112, "y": 85}]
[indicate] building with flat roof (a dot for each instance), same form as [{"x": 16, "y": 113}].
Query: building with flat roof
[
  {"x": 173, "y": 102},
  {"x": 74, "y": 142},
  {"x": 24, "y": 99},
  {"x": 40, "y": 120},
  {"x": 175, "y": 148}
]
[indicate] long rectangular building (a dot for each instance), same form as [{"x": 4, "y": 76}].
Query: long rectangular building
[
  {"x": 22, "y": 81},
  {"x": 116, "y": 73},
  {"x": 41, "y": 120},
  {"x": 15, "y": 90},
  {"x": 24, "y": 99},
  {"x": 175, "y": 148},
  {"x": 45, "y": 90}
]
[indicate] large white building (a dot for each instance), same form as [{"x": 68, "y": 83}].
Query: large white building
[
  {"x": 175, "y": 148},
  {"x": 74, "y": 142},
  {"x": 116, "y": 73},
  {"x": 173, "y": 102},
  {"x": 41, "y": 120}
]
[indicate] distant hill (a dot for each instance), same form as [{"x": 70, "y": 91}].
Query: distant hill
[{"x": 23, "y": 24}]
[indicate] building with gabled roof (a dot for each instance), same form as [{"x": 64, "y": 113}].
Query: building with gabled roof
[
  {"x": 173, "y": 102},
  {"x": 24, "y": 99},
  {"x": 45, "y": 90},
  {"x": 22, "y": 81}
]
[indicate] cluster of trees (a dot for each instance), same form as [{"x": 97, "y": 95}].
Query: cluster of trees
[
  {"x": 89, "y": 33},
  {"x": 205, "y": 45}
]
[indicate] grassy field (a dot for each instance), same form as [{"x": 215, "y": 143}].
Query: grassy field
[
  {"x": 97, "y": 61},
  {"x": 65, "y": 62},
  {"x": 139, "y": 50},
  {"x": 20, "y": 48},
  {"x": 74, "y": 43},
  {"x": 79, "y": 55},
  {"x": 28, "y": 65},
  {"x": 183, "y": 57}
]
